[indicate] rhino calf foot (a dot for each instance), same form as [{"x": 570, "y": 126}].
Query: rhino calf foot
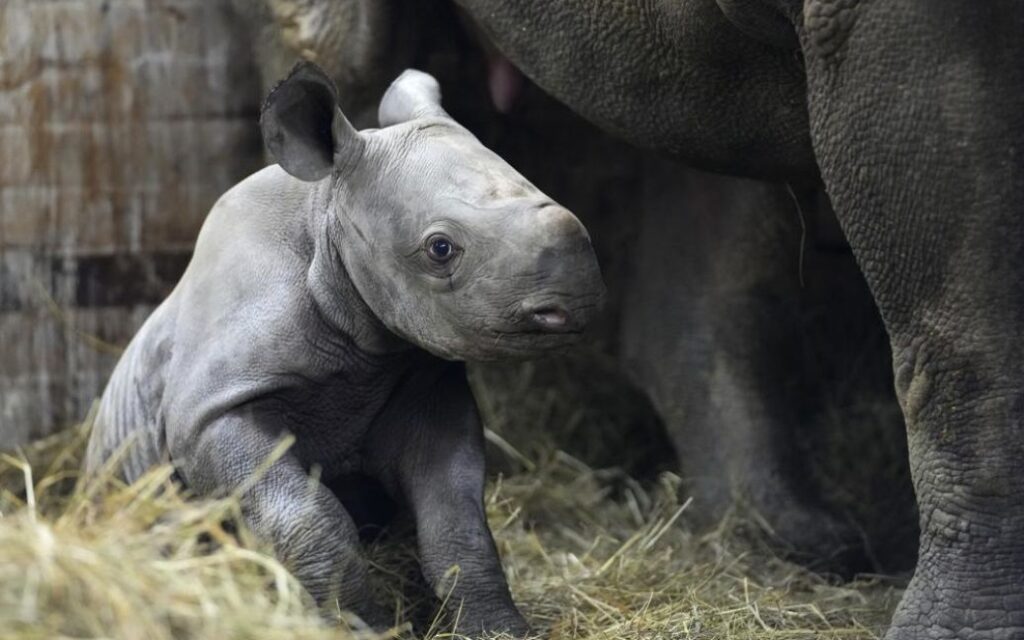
[{"x": 496, "y": 624}]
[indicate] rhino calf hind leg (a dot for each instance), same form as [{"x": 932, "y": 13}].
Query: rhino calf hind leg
[
  {"x": 310, "y": 530},
  {"x": 935, "y": 215}
]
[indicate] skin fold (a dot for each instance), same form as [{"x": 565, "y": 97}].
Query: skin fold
[
  {"x": 333, "y": 298},
  {"x": 911, "y": 117}
]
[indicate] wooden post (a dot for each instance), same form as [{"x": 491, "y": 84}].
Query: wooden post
[{"x": 121, "y": 122}]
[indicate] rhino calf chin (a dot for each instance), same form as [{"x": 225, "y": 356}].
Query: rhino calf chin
[{"x": 333, "y": 298}]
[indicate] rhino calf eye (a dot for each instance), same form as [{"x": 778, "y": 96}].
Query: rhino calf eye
[{"x": 440, "y": 248}]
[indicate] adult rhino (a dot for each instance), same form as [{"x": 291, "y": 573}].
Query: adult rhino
[{"x": 909, "y": 112}]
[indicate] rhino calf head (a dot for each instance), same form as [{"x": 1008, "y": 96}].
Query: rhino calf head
[{"x": 448, "y": 245}]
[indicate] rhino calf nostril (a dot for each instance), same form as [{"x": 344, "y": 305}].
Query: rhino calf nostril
[{"x": 550, "y": 318}]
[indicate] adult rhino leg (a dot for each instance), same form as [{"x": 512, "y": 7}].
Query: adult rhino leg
[
  {"x": 917, "y": 124},
  {"x": 361, "y": 44},
  {"x": 712, "y": 330}
]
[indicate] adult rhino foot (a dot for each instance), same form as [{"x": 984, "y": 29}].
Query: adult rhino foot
[
  {"x": 946, "y": 601},
  {"x": 793, "y": 526},
  {"x": 813, "y": 537}
]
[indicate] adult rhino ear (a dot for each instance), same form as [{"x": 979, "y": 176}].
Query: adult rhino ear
[
  {"x": 414, "y": 94},
  {"x": 303, "y": 127}
]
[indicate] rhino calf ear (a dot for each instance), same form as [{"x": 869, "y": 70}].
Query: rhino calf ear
[
  {"x": 303, "y": 127},
  {"x": 414, "y": 94}
]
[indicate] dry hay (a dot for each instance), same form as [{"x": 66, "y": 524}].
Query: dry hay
[{"x": 589, "y": 554}]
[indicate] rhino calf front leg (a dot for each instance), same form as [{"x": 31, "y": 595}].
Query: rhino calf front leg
[
  {"x": 309, "y": 528},
  {"x": 457, "y": 553},
  {"x": 440, "y": 472}
]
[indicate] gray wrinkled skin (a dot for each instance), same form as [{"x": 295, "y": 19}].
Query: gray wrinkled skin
[
  {"x": 911, "y": 116},
  {"x": 313, "y": 306}
]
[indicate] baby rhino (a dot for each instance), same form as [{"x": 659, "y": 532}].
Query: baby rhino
[{"x": 331, "y": 298}]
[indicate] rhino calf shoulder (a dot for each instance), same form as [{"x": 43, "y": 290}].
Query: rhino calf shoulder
[{"x": 334, "y": 298}]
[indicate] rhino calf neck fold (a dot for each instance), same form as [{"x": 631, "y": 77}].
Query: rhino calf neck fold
[{"x": 332, "y": 298}]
